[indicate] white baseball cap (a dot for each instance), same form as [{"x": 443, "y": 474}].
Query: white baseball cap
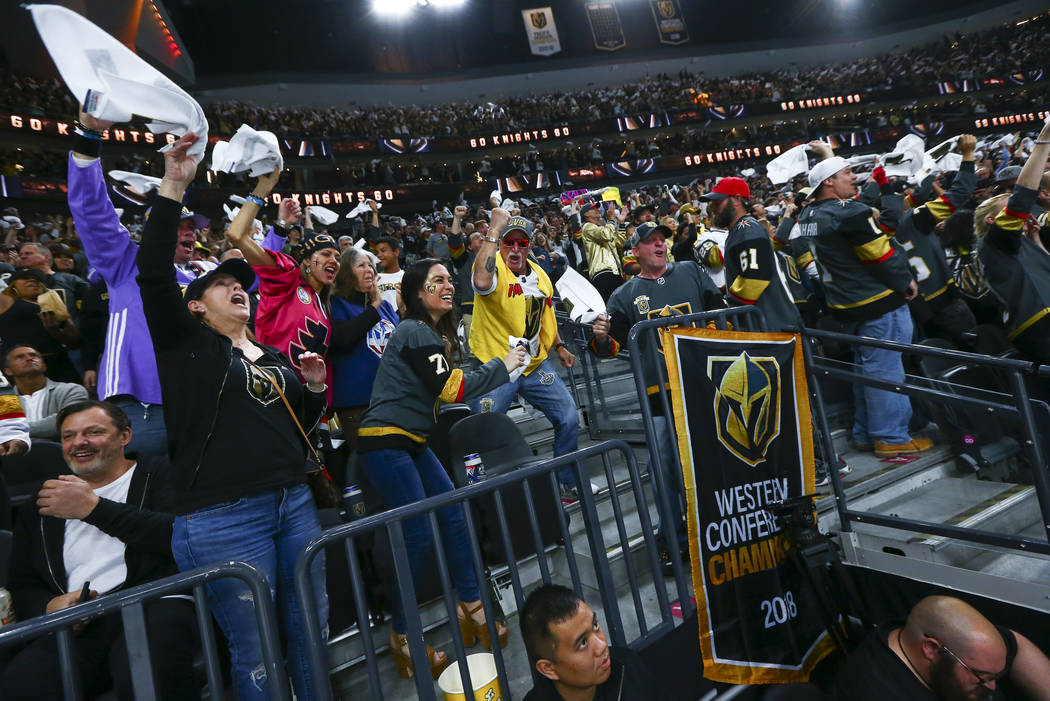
[{"x": 825, "y": 169}]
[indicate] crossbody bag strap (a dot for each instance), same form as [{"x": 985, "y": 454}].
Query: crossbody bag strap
[{"x": 288, "y": 406}]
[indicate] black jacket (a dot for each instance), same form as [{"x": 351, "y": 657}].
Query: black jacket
[
  {"x": 629, "y": 680},
  {"x": 192, "y": 360},
  {"x": 38, "y": 572}
]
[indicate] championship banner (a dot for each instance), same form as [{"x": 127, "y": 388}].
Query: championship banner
[
  {"x": 542, "y": 32},
  {"x": 605, "y": 25},
  {"x": 741, "y": 409},
  {"x": 669, "y": 21}
]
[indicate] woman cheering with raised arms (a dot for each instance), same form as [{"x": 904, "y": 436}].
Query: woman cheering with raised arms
[{"x": 234, "y": 411}]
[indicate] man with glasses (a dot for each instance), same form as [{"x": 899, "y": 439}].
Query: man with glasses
[
  {"x": 945, "y": 651},
  {"x": 514, "y": 305}
]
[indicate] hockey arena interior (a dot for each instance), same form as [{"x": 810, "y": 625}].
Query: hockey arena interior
[{"x": 601, "y": 350}]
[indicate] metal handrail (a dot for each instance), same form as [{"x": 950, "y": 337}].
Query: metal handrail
[
  {"x": 391, "y": 522},
  {"x": 721, "y": 318},
  {"x": 1032, "y": 443},
  {"x": 1020, "y": 405},
  {"x": 130, "y": 603}
]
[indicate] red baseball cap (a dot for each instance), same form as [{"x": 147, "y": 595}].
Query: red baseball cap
[{"x": 728, "y": 187}]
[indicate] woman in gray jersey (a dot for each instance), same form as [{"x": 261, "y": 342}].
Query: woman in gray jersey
[{"x": 415, "y": 374}]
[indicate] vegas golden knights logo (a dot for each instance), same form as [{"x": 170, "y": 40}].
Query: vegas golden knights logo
[
  {"x": 539, "y": 19},
  {"x": 747, "y": 404},
  {"x": 533, "y": 316},
  {"x": 667, "y": 10},
  {"x": 260, "y": 385}
]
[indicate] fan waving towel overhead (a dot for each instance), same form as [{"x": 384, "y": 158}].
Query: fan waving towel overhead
[{"x": 111, "y": 82}]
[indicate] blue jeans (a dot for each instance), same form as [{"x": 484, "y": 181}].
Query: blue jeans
[
  {"x": 543, "y": 389},
  {"x": 149, "y": 436},
  {"x": 672, "y": 481},
  {"x": 268, "y": 531},
  {"x": 402, "y": 479},
  {"x": 881, "y": 415}
]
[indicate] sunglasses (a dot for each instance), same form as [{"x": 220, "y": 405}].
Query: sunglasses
[
  {"x": 516, "y": 243},
  {"x": 983, "y": 678}
]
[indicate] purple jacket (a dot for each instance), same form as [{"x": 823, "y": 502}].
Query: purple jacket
[{"x": 128, "y": 364}]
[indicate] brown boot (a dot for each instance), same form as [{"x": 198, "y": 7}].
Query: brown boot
[{"x": 915, "y": 445}]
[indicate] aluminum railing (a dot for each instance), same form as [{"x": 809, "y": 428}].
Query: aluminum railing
[
  {"x": 130, "y": 604},
  {"x": 389, "y": 525},
  {"x": 1017, "y": 404}
]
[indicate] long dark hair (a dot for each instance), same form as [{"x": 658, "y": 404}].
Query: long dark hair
[{"x": 411, "y": 284}]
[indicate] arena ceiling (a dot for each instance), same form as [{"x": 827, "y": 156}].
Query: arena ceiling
[{"x": 231, "y": 37}]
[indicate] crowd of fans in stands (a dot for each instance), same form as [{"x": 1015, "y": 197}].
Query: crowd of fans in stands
[
  {"x": 218, "y": 346},
  {"x": 990, "y": 53},
  {"x": 997, "y": 53},
  {"x": 571, "y": 154}
]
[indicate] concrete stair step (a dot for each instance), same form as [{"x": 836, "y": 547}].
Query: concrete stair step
[{"x": 959, "y": 501}]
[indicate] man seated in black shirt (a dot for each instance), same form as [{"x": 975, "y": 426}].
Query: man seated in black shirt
[
  {"x": 946, "y": 651},
  {"x": 567, "y": 647}
]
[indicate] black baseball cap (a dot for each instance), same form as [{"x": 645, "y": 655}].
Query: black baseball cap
[
  {"x": 644, "y": 231},
  {"x": 237, "y": 267},
  {"x": 28, "y": 274},
  {"x": 637, "y": 211}
]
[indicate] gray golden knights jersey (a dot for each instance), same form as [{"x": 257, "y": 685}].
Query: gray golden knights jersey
[
  {"x": 864, "y": 276},
  {"x": 684, "y": 288},
  {"x": 755, "y": 276}
]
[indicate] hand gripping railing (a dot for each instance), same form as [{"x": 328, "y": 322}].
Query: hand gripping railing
[
  {"x": 131, "y": 605},
  {"x": 391, "y": 523}
]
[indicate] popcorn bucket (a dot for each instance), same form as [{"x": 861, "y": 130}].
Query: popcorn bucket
[{"x": 482, "y": 668}]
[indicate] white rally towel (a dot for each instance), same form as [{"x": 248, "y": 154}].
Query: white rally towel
[
  {"x": 324, "y": 215},
  {"x": 787, "y": 165},
  {"x": 248, "y": 150},
  {"x": 362, "y": 208},
  {"x": 942, "y": 149},
  {"x": 587, "y": 303},
  {"x": 142, "y": 184},
  {"x": 111, "y": 82},
  {"x": 907, "y": 157},
  {"x": 858, "y": 161}
]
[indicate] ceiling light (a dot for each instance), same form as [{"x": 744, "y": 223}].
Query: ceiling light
[{"x": 392, "y": 8}]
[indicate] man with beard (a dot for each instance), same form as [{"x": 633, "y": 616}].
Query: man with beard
[
  {"x": 945, "y": 651},
  {"x": 514, "y": 305},
  {"x": 94, "y": 529},
  {"x": 753, "y": 275}
]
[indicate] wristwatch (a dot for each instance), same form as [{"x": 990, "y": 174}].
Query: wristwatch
[{"x": 490, "y": 239}]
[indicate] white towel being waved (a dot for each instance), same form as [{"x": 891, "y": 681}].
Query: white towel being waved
[
  {"x": 256, "y": 152},
  {"x": 787, "y": 165},
  {"x": 362, "y": 208},
  {"x": 113, "y": 84},
  {"x": 325, "y": 216},
  {"x": 142, "y": 184}
]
